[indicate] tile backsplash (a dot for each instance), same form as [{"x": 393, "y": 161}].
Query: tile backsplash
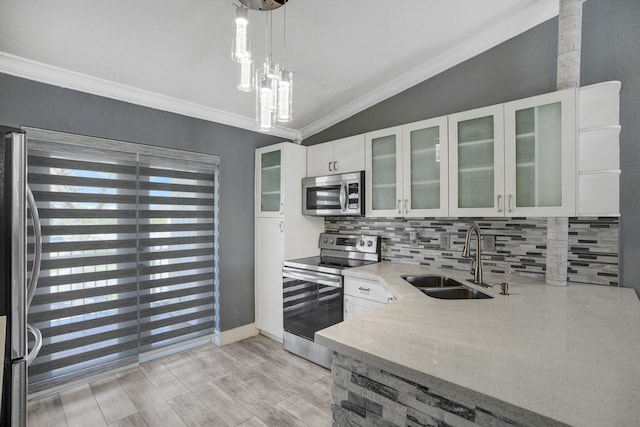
[{"x": 520, "y": 244}]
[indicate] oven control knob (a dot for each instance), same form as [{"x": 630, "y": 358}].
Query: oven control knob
[
  {"x": 370, "y": 243},
  {"x": 361, "y": 242},
  {"x": 324, "y": 240},
  {"x": 331, "y": 241}
]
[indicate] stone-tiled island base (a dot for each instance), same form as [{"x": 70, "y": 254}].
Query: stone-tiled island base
[{"x": 364, "y": 395}]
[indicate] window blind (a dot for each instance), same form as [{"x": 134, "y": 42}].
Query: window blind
[
  {"x": 129, "y": 257},
  {"x": 177, "y": 250}
]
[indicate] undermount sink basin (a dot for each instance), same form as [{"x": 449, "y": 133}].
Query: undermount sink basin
[
  {"x": 443, "y": 287},
  {"x": 431, "y": 281},
  {"x": 456, "y": 293}
]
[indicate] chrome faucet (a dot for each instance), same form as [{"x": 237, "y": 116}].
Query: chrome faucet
[{"x": 466, "y": 252}]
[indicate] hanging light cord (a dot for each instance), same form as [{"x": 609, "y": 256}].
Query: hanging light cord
[
  {"x": 270, "y": 37},
  {"x": 266, "y": 38},
  {"x": 284, "y": 36}
]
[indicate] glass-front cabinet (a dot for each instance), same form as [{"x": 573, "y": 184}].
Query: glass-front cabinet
[
  {"x": 383, "y": 172},
  {"x": 476, "y": 162},
  {"x": 425, "y": 168},
  {"x": 514, "y": 159},
  {"x": 406, "y": 170},
  {"x": 269, "y": 180},
  {"x": 540, "y": 140}
]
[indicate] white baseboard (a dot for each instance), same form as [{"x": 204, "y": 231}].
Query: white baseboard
[
  {"x": 236, "y": 334},
  {"x": 278, "y": 338}
]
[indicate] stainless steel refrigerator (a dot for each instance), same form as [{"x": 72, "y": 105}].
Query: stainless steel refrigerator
[{"x": 18, "y": 285}]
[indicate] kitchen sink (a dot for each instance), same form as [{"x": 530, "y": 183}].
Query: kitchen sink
[
  {"x": 431, "y": 281},
  {"x": 443, "y": 287},
  {"x": 462, "y": 292}
]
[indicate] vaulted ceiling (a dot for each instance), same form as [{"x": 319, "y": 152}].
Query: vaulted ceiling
[{"x": 174, "y": 55}]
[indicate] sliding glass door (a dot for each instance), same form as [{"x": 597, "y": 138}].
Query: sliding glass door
[{"x": 129, "y": 254}]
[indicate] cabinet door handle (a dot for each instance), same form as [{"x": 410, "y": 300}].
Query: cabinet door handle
[
  {"x": 510, "y": 203},
  {"x": 400, "y": 206},
  {"x": 281, "y": 208},
  {"x": 330, "y": 167},
  {"x": 406, "y": 206},
  {"x": 364, "y": 289},
  {"x": 437, "y": 150},
  {"x": 281, "y": 225},
  {"x": 335, "y": 166},
  {"x": 499, "y": 199}
]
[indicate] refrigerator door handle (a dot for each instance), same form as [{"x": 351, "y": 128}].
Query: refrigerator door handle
[
  {"x": 37, "y": 252},
  {"x": 37, "y": 346},
  {"x": 18, "y": 321}
]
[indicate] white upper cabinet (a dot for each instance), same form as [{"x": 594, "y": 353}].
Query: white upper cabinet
[
  {"x": 406, "y": 170},
  {"x": 425, "y": 161},
  {"x": 269, "y": 181},
  {"x": 476, "y": 162},
  {"x": 599, "y": 150},
  {"x": 383, "y": 172},
  {"x": 514, "y": 159},
  {"x": 540, "y": 155},
  {"x": 339, "y": 156}
]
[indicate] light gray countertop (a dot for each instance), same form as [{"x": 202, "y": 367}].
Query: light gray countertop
[{"x": 569, "y": 353}]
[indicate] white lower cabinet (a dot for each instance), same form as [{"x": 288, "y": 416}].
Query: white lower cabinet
[
  {"x": 362, "y": 295},
  {"x": 354, "y": 306},
  {"x": 269, "y": 258}
]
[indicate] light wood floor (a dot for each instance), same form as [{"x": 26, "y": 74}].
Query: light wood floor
[{"x": 250, "y": 383}]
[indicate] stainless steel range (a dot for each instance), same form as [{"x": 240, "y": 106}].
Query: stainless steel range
[{"x": 313, "y": 291}]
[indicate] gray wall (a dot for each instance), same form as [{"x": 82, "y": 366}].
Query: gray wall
[
  {"x": 34, "y": 104},
  {"x": 525, "y": 66},
  {"x": 611, "y": 51},
  {"x": 518, "y": 68}
]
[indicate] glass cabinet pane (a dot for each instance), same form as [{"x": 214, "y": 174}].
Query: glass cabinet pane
[
  {"x": 476, "y": 163},
  {"x": 425, "y": 168},
  {"x": 383, "y": 168},
  {"x": 270, "y": 181},
  {"x": 539, "y": 156}
]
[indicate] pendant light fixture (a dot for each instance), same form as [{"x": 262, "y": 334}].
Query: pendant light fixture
[
  {"x": 285, "y": 81},
  {"x": 272, "y": 82}
]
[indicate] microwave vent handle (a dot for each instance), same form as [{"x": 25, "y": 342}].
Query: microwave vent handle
[{"x": 343, "y": 196}]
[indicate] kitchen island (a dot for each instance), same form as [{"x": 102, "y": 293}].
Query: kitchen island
[{"x": 542, "y": 355}]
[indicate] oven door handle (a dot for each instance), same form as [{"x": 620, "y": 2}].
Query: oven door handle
[{"x": 321, "y": 278}]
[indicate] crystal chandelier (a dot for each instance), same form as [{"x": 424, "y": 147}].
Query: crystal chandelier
[{"x": 272, "y": 82}]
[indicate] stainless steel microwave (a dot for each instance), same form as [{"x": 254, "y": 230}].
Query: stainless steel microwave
[{"x": 334, "y": 195}]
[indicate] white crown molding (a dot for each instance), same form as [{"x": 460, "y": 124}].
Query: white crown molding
[
  {"x": 519, "y": 22},
  {"x": 43, "y": 73}
]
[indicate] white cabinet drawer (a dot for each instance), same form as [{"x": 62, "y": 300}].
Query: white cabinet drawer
[
  {"x": 367, "y": 289},
  {"x": 355, "y": 306}
]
